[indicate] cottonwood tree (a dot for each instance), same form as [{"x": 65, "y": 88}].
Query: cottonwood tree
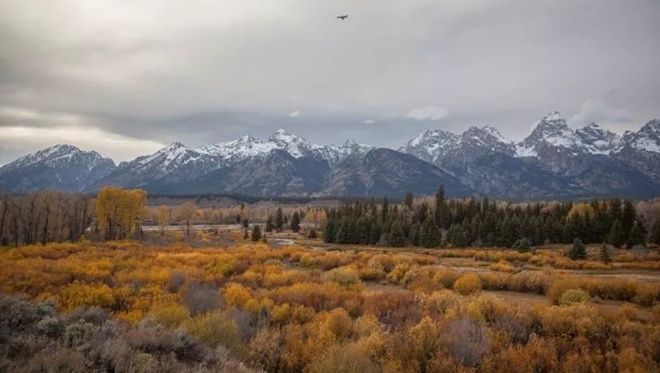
[{"x": 118, "y": 212}]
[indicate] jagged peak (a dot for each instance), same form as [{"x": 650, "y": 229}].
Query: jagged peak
[{"x": 553, "y": 116}]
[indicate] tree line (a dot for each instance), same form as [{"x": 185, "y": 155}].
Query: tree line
[{"x": 473, "y": 222}]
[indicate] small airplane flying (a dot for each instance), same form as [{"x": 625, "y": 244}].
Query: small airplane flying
[{"x": 343, "y": 18}]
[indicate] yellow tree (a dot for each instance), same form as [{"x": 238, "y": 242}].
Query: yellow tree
[
  {"x": 163, "y": 216},
  {"x": 118, "y": 212},
  {"x": 187, "y": 212}
]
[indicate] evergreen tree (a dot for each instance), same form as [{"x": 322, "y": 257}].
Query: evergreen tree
[
  {"x": 636, "y": 236},
  {"x": 246, "y": 235},
  {"x": 628, "y": 219},
  {"x": 269, "y": 224},
  {"x": 330, "y": 231},
  {"x": 408, "y": 200},
  {"x": 375, "y": 231},
  {"x": 312, "y": 234},
  {"x": 256, "y": 233},
  {"x": 413, "y": 235},
  {"x": 429, "y": 233},
  {"x": 279, "y": 220},
  {"x": 246, "y": 223},
  {"x": 397, "y": 239},
  {"x": 605, "y": 255},
  {"x": 295, "y": 222},
  {"x": 522, "y": 245},
  {"x": 655, "y": 233},
  {"x": 615, "y": 237},
  {"x": 442, "y": 213},
  {"x": 385, "y": 209},
  {"x": 578, "y": 251}
]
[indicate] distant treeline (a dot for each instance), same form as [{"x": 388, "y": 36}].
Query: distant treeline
[{"x": 472, "y": 222}]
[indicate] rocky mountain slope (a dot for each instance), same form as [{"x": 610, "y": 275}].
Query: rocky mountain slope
[{"x": 554, "y": 161}]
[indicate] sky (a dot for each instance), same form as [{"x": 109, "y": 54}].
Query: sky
[{"x": 126, "y": 77}]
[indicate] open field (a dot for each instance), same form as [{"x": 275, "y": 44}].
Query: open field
[{"x": 323, "y": 308}]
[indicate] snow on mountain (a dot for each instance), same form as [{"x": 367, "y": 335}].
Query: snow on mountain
[
  {"x": 431, "y": 145},
  {"x": 646, "y": 139},
  {"x": 551, "y": 132},
  {"x": 598, "y": 140},
  {"x": 169, "y": 158},
  {"x": 58, "y": 167},
  {"x": 247, "y": 147},
  {"x": 440, "y": 147}
]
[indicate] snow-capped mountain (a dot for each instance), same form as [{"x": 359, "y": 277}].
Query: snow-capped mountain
[
  {"x": 247, "y": 147},
  {"x": 641, "y": 149},
  {"x": 171, "y": 164},
  {"x": 598, "y": 140},
  {"x": 554, "y": 161},
  {"x": 62, "y": 167}
]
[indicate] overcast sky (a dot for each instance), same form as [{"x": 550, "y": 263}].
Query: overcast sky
[{"x": 125, "y": 77}]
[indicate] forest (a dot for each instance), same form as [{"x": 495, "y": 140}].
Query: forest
[{"x": 117, "y": 297}]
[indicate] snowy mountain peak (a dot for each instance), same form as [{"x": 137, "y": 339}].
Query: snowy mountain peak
[
  {"x": 647, "y": 139},
  {"x": 553, "y": 116}
]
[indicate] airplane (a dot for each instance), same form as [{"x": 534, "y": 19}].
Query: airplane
[{"x": 343, "y": 18}]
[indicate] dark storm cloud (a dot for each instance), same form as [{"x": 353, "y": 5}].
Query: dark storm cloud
[{"x": 140, "y": 74}]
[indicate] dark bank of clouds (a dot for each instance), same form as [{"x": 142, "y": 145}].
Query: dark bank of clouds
[{"x": 125, "y": 77}]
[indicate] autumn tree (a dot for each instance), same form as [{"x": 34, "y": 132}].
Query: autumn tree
[
  {"x": 118, "y": 212},
  {"x": 186, "y": 212},
  {"x": 163, "y": 217}
]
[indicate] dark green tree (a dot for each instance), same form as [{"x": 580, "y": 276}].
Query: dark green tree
[
  {"x": 605, "y": 255},
  {"x": 256, "y": 233},
  {"x": 429, "y": 233},
  {"x": 522, "y": 245},
  {"x": 577, "y": 251},
  {"x": 615, "y": 237},
  {"x": 636, "y": 236},
  {"x": 312, "y": 234},
  {"x": 655, "y": 233},
  {"x": 279, "y": 220},
  {"x": 295, "y": 222},
  {"x": 330, "y": 231},
  {"x": 408, "y": 200},
  {"x": 442, "y": 213},
  {"x": 385, "y": 209},
  {"x": 246, "y": 223},
  {"x": 413, "y": 235},
  {"x": 397, "y": 239},
  {"x": 269, "y": 224},
  {"x": 628, "y": 217}
]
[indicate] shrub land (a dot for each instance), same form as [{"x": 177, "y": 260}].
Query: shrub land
[{"x": 125, "y": 306}]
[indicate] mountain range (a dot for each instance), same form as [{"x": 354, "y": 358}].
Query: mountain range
[{"x": 554, "y": 161}]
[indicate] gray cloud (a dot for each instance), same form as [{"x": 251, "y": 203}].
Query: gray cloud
[{"x": 146, "y": 73}]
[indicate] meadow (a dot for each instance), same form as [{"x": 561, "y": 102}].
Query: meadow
[{"x": 194, "y": 305}]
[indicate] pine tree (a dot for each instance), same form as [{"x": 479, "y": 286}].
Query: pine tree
[
  {"x": 330, "y": 233},
  {"x": 578, "y": 251},
  {"x": 256, "y": 233},
  {"x": 615, "y": 238},
  {"x": 628, "y": 219},
  {"x": 397, "y": 239},
  {"x": 605, "y": 255},
  {"x": 246, "y": 223},
  {"x": 413, "y": 235},
  {"x": 429, "y": 233},
  {"x": 655, "y": 233},
  {"x": 295, "y": 222},
  {"x": 385, "y": 209},
  {"x": 279, "y": 219},
  {"x": 269, "y": 224},
  {"x": 375, "y": 231},
  {"x": 408, "y": 200},
  {"x": 522, "y": 245},
  {"x": 636, "y": 236},
  {"x": 312, "y": 234},
  {"x": 442, "y": 214}
]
